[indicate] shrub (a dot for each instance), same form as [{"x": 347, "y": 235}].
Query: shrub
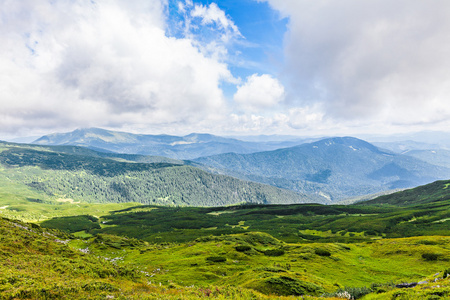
[
  {"x": 427, "y": 242},
  {"x": 429, "y": 256},
  {"x": 273, "y": 269},
  {"x": 242, "y": 248},
  {"x": 322, "y": 252},
  {"x": 216, "y": 259},
  {"x": 99, "y": 286},
  {"x": 286, "y": 286},
  {"x": 446, "y": 273},
  {"x": 274, "y": 252}
]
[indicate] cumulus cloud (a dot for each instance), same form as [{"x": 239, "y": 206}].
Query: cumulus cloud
[
  {"x": 208, "y": 26},
  {"x": 259, "y": 92},
  {"x": 212, "y": 14},
  {"x": 374, "y": 60},
  {"x": 108, "y": 63},
  {"x": 304, "y": 118}
]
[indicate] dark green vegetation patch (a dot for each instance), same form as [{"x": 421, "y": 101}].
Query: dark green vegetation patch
[
  {"x": 274, "y": 252},
  {"x": 285, "y": 286},
  {"x": 243, "y": 248},
  {"x": 73, "y": 224},
  {"x": 289, "y": 223},
  {"x": 322, "y": 252},
  {"x": 216, "y": 259}
]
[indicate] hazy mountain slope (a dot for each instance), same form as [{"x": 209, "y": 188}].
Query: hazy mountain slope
[
  {"x": 185, "y": 147},
  {"x": 438, "y": 157},
  {"x": 97, "y": 179},
  {"x": 437, "y": 191},
  {"x": 405, "y": 146},
  {"x": 80, "y": 150},
  {"x": 341, "y": 167}
]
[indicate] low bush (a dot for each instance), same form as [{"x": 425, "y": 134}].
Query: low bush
[
  {"x": 429, "y": 256},
  {"x": 286, "y": 286},
  {"x": 322, "y": 252},
  {"x": 216, "y": 259},
  {"x": 427, "y": 242},
  {"x": 242, "y": 248},
  {"x": 274, "y": 252},
  {"x": 99, "y": 286}
]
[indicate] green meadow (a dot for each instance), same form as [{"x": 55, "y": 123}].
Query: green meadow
[{"x": 238, "y": 252}]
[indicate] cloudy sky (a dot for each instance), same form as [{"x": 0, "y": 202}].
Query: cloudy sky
[{"x": 298, "y": 67}]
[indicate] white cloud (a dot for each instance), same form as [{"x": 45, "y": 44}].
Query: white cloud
[
  {"x": 212, "y": 14},
  {"x": 69, "y": 64},
  {"x": 209, "y": 28},
  {"x": 372, "y": 61},
  {"x": 305, "y": 118},
  {"x": 259, "y": 92}
]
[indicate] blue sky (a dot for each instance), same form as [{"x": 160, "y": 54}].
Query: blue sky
[
  {"x": 248, "y": 67},
  {"x": 259, "y": 49}
]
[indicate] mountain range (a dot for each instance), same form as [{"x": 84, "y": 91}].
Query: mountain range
[
  {"x": 334, "y": 168},
  {"x": 178, "y": 147}
]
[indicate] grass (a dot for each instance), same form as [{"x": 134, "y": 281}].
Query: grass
[
  {"x": 298, "y": 223},
  {"x": 37, "y": 264},
  {"x": 228, "y": 266},
  {"x": 362, "y": 264}
]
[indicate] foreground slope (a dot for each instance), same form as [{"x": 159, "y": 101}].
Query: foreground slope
[
  {"x": 339, "y": 167},
  {"x": 90, "y": 178},
  {"x": 39, "y": 264},
  {"x": 241, "y": 252},
  {"x": 43, "y": 264}
]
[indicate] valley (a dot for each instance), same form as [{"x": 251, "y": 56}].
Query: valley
[{"x": 85, "y": 224}]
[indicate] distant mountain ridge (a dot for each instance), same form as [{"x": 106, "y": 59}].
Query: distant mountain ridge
[
  {"x": 340, "y": 167},
  {"x": 335, "y": 168},
  {"x": 176, "y": 147}
]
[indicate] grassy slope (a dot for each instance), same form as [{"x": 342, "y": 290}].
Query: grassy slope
[
  {"x": 438, "y": 191},
  {"x": 348, "y": 265},
  {"x": 37, "y": 264}
]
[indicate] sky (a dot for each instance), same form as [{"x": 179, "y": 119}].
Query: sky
[{"x": 226, "y": 67}]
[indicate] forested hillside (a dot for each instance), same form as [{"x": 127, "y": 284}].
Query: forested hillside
[
  {"x": 337, "y": 167},
  {"x": 92, "y": 178}
]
